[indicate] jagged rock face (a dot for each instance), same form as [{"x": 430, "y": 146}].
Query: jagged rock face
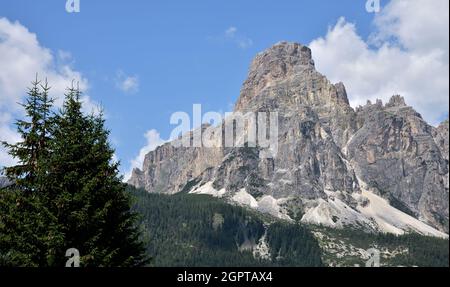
[
  {"x": 284, "y": 79},
  {"x": 169, "y": 168},
  {"x": 441, "y": 137},
  {"x": 4, "y": 182},
  {"x": 308, "y": 163},
  {"x": 326, "y": 152},
  {"x": 394, "y": 153}
]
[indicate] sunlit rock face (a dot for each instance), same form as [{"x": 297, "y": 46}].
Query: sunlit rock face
[
  {"x": 4, "y": 182},
  {"x": 328, "y": 154}
]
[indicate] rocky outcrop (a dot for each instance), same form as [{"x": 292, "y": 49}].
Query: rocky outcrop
[
  {"x": 395, "y": 154},
  {"x": 328, "y": 154},
  {"x": 169, "y": 168},
  {"x": 441, "y": 137},
  {"x": 4, "y": 182},
  {"x": 284, "y": 79}
]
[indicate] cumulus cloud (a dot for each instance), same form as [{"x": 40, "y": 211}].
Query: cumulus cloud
[
  {"x": 154, "y": 140},
  {"x": 127, "y": 84},
  {"x": 232, "y": 35},
  {"x": 419, "y": 25},
  {"x": 9, "y": 135},
  {"x": 406, "y": 54},
  {"x": 21, "y": 58}
]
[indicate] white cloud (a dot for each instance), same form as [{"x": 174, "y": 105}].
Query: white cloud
[
  {"x": 407, "y": 54},
  {"x": 154, "y": 140},
  {"x": 232, "y": 35},
  {"x": 21, "y": 58},
  {"x": 8, "y": 135},
  {"x": 65, "y": 56},
  {"x": 115, "y": 159},
  {"x": 231, "y": 32},
  {"x": 127, "y": 84},
  {"x": 419, "y": 25}
]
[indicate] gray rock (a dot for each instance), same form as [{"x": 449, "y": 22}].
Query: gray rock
[
  {"x": 4, "y": 182},
  {"x": 441, "y": 137},
  {"x": 326, "y": 149},
  {"x": 395, "y": 153},
  {"x": 169, "y": 169}
]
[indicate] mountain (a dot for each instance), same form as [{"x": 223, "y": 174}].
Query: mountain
[
  {"x": 4, "y": 182},
  {"x": 379, "y": 167},
  {"x": 189, "y": 230},
  {"x": 199, "y": 230}
]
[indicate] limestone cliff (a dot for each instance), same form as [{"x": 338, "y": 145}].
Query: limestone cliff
[{"x": 335, "y": 165}]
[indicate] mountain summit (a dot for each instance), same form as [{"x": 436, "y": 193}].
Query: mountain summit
[
  {"x": 287, "y": 67},
  {"x": 379, "y": 167}
]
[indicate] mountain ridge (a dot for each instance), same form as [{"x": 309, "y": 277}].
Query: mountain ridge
[{"x": 329, "y": 154}]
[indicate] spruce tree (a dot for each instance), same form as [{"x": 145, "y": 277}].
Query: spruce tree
[
  {"x": 34, "y": 131},
  {"x": 27, "y": 228},
  {"x": 67, "y": 191},
  {"x": 86, "y": 192}
]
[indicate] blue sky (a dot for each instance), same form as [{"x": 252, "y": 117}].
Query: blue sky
[{"x": 174, "y": 53}]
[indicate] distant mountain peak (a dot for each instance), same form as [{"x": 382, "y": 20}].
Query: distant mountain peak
[
  {"x": 4, "y": 182},
  {"x": 333, "y": 163},
  {"x": 285, "y": 53},
  {"x": 284, "y": 77}
]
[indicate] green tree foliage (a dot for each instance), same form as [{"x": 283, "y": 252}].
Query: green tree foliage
[
  {"x": 412, "y": 249},
  {"x": 202, "y": 231},
  {"x": 293, "y": 245},
  {"x": 68, "y": 193},
  {"x": 28, "y": 232},
  {"x": 35, "y": 134}
]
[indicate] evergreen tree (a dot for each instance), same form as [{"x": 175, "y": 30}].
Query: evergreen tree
[
  {"x": 28, "y": 232},
  {"x": 34, "y": 132},
  {"x": 27, "y": 228},
  {"x": 86, "y": 193},
  {"x": 67, "y": 191}
]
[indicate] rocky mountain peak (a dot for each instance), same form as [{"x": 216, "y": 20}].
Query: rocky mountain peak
[
  {"x": 381, "y": 167},
  {"x": 396, "y": 101},
  {"x": 284, "y": 78},
  {"x": 281, "y": 59}
]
